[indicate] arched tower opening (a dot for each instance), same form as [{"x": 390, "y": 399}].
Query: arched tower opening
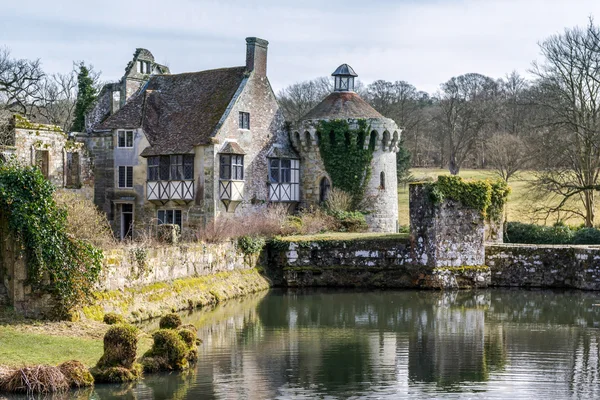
[{"x": 324, "y": 189}]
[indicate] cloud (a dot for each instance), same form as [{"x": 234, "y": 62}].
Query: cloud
[{"x": 422, "y": 42}]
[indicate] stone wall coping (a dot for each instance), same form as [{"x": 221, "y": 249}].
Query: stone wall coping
[{"x": 543, "y": 246}]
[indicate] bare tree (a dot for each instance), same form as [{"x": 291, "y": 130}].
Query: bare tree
[
  {"x": 56, "y": 99},
  {"x": 299, "y": 98},
  {"x": 19, "y": 82},
  {"x": 507, "y": 154},
  {"x": 465, "y": 109},
  {"x": 568, "y": 92}
]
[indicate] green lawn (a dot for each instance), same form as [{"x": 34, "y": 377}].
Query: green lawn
[
  {"x": 519, "y": 204},
  {"x": 19, "y": 348},
  {"x": 342, "y": 236}
]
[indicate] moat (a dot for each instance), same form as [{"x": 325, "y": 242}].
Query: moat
[{"x": 389, "y": 344}]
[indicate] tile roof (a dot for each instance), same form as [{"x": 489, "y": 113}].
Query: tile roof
[
  {"x": 342, "y": 105},
  {"x": 178, "y": 112}
]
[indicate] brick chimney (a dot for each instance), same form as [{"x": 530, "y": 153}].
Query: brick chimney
[{"x": 256, "y": 55}]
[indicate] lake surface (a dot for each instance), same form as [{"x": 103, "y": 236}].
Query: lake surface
[{"x": 390, "y": 344}]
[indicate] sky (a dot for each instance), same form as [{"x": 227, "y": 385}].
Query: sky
[{"x": 422, "y": 42}]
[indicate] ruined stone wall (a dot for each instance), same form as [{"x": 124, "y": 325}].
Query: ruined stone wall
[
  {"x": 267, "y": 129},
  {"x": 15, "y": 290},
  {"x": 370, "y": 262},
  {"x": 447, "y": 234},
  {"x": 107, "y": 103},
  {"x": 544, "y": 266}
]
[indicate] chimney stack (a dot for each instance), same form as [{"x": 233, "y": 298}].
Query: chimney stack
[{"x": 256, "y": 55}]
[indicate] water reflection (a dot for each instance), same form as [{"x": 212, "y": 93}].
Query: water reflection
[{"x": 409, "y": 344}]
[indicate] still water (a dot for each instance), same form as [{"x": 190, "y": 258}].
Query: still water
[{"x": 390, "y": 344}]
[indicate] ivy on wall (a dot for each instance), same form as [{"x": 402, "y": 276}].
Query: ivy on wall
[
  {"x": 346, "y": 160},
  {"x": 56, "y": 262},
  {"x": 489, "y": 197}
]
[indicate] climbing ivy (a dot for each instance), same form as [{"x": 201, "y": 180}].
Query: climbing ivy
[
  {"x": 346, "y": 160},
  {"x": 487, "y": 196},
  {"x": 57, "y": 262}
]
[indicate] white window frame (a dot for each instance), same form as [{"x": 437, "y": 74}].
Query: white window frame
[
  {"x": 126, "y": 135},
  {"x": 128, "y": 171}
]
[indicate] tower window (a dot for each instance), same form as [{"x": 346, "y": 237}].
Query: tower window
[
  {"x": 324, "y": 188},
  {"x": 244, "y": 120},
  {"x": 382, "y": 180}
]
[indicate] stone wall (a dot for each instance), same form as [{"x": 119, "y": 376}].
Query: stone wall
[
  {"x": 386, "y": 262},
  {"x": 134, "y": 265},
  {"x": 544, "y": 266},
  {"x": 447, "y": 234}
]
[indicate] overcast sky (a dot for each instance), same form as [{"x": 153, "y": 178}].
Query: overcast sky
[{"x": 422, "y": 42}]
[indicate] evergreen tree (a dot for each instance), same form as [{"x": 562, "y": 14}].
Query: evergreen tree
[
  {"x": 86, "y": 95},
  {"x": 403, "y": 164}
]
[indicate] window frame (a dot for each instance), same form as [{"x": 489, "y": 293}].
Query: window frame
[
  {"x": 244, "y": 120},
  {"x": 128, "y": 172},
  {"x": 282, "y": 171},
  {"x": 161, "y": 168},
  {"x": 234, "y": 166},
  {"x": 172, "y": 219},
  {"x": 127, "y": 139}
]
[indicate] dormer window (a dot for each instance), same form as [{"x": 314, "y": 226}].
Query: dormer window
[
  {"x": 344, "y": 78},
  {"x": 244, "y": 120}
]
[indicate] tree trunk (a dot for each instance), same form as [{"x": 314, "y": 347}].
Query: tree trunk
[
  {"x": 453, "y": 166},
  {"x": 588, "y": 201}
]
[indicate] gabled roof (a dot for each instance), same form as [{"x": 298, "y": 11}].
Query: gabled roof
[
  {"x": 178, "y": 112},
  {"x": 342, "y": 105}
]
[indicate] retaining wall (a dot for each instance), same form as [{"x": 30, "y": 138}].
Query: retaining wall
[
  {"x": 388, "y": 262},
  {"x": 544, "y": 266}
]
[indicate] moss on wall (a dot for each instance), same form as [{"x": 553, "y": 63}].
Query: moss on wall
[{"x": 157, "y": 299}]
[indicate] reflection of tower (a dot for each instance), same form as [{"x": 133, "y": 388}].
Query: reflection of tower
[
  {"x": 448, "y": 346},
  {"x": 382, "y": 138}
]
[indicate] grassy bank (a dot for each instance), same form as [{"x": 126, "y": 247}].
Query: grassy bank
[{"x": 519, "y": 206}]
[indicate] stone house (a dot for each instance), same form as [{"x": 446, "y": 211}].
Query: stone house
[
  {"x": 191, "y": 147},
  {"x": 64, "y": 160},
  {"x": 382, "y": 139},
  {"x": 114, "y": 95}
]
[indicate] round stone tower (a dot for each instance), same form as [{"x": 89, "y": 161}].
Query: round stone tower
[{"x": 382, "y": 138}]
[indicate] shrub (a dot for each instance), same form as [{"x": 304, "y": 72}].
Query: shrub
[
  {"x": 353, "y": 221},
  {"x": 169, "y": 352},
  {"x": 76, "y": 373},
  {"x": 117, "y": 374},
  {"x": 587, "y": 236},
  {"x": 251, "y": 244},
  {"x": 113, "y": 318},
  {"x": 84, "y": 220},
  {"x": 338, "y": 200},
  {"x": 188, "y": 336},
  {"x": 33, "y": 380},
  {"x": 117, "y": 364},
  {"x": 517, "y": 232},
  {"x": 314, "y": 220},
  {"x": 170, "y": 321},
  {"x": 120, "y": 346}
]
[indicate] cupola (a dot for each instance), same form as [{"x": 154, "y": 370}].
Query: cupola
[{"x": 344, "y": 78}]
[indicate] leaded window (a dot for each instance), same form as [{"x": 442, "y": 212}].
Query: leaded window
[
  {"x": 176, "y": 167},
  {"x": 125, "y": 139},
  {"x": 280, "y": 170},
  {"x": 169, "y": 217},
  {"x": 231, "y": 167},
  {"x": 125, "y": 176},
  {"x": 244, "y": 120}
]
